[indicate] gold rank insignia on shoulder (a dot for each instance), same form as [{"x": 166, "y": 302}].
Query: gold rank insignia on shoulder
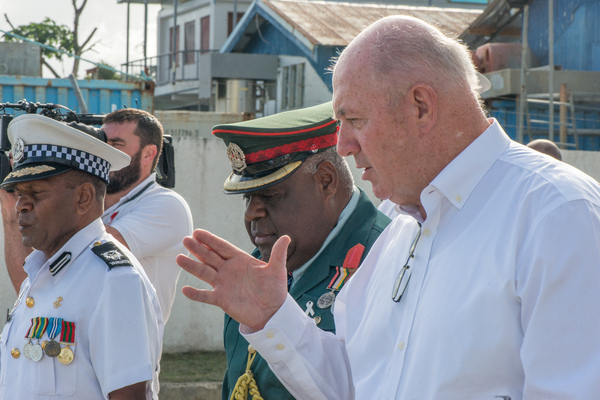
[
  {"x": 112, "y": 255},
  {"x": 236, "y": 157}
]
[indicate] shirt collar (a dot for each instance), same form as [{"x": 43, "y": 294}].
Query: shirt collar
[
  {"x": 459, "y": 178},
  {"x": 75, "y": 246},
  {"x": 344, "y": 215}
]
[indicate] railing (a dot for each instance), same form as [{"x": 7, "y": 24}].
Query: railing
[{"x": 184, "y": 65}]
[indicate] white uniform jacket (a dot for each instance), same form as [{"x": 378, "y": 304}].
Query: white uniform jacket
[{"x": 115, "y": 313}]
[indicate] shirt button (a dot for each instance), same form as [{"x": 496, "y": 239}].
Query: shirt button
[
  {"x": 401, "y": 346},
  {"x": 280, "y": 346},
  {"x": 458, "y": 198},
  {"x": 426, "y": 232},
  {"x": 270, "y": 335},
  {"x": 30, "y": 302},
  {"x": 15, "y": 353}
]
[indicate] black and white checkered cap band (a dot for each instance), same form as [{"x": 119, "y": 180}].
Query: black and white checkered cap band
[{"x": 80, "y": 159}]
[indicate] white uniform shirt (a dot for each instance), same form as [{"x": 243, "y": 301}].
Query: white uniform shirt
[
  {"x": 154, "y": 223},
  {"x": 503, "y": 301},
  {"x": 118, "y": 325}
]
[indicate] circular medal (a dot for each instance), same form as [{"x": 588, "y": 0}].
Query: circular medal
[
  {"x": 36, "y": 352},
  {"x": 52, "y": 349},
  {"x": 44, "y": 343},
  {"x": 326, "y": 300},
  {"x": 317, "y": 319},
  {"x": 66, "y": 356},
  {"x": 27, "y": 350}
]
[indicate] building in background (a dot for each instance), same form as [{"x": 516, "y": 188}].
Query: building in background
[
  {"x": 267, "y": 56},
  {"x": 529, "y": 49}
]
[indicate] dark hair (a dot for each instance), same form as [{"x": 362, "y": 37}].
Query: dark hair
[
  {"x": 148, "y": 127},
  {"x": 76, "y": 177}
]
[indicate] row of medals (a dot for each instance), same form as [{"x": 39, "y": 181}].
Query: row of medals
[{"x": 52, "y": 348}]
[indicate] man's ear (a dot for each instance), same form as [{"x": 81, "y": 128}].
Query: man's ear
[
  {"x": 86, "y": 197},
  {"x": 327, "y": 177},
  {"x": 424, "y": 100},
  {"x": 149, "y": 154}
]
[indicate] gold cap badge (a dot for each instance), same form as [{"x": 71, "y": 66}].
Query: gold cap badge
[{"x": 236, "y": 157}]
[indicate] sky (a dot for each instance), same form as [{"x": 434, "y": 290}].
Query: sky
[{"x": 107, "y": 15}]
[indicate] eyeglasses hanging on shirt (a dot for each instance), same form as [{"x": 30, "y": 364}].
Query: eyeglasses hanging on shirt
[{"x": 405, "y": 272}]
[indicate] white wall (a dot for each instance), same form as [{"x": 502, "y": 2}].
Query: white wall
[
  {"x": 201, "y": 167},
  {"x": 315, "y": 91}
]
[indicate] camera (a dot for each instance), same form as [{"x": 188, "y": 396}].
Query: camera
[{"x": 165, "y": 168}]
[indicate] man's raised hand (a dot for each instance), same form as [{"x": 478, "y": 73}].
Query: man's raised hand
[{"x": 247, "y": 289}]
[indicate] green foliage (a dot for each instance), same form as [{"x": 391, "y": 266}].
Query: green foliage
[
  {"x": 104, "y": 73},
  {"x": 49, "y": 33}
]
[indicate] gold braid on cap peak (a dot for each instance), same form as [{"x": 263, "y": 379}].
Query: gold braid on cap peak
[
  {"x": 31, "y": 171},
  {"x": 265, "y": 180}
]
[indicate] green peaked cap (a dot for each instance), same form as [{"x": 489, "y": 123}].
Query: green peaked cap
[{"x": 267, "y": 150}]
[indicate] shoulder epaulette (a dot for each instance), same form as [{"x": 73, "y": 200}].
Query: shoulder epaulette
[{"x": 112, "y": 255}]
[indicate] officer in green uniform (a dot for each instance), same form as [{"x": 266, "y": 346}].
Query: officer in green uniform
[{"x": 294, "y": 183}]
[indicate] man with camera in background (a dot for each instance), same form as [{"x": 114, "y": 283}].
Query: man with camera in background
[{"x": 144, "y": 216}]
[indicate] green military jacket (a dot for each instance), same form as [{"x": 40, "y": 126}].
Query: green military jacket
[{"x": 363, "y": 226}]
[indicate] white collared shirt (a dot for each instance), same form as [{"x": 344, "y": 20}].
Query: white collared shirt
[
  {"x": 154, "y": 223},
  {"x": 503, "y": 300},
  {"x": 118, "y": 324}
]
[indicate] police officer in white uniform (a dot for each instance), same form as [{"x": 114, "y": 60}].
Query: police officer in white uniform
[{"x": 87, "y": 322}]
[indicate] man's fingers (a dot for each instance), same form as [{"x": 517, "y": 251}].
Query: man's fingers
[
  {"x": 201, "y": 295},
  {"x": 220, "y": 246},
  {"x": 198, "y": 269},
  {"x": 201, "y": 251}
]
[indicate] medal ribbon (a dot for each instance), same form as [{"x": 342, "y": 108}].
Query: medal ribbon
[
  {"x": 27, "y": 335},
  {"x": 339, "y": 278},
  {"x": 351, "y": 262},
  {"x": 40, "y": 326},
  {"x": 54, "y": 327},
  {"x": 68, "y": 332}
]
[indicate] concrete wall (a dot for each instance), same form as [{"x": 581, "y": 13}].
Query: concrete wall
[{"x": 201, "y": 167}]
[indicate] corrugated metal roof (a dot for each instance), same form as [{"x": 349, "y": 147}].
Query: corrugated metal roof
[{"x": 330, "y": 23}]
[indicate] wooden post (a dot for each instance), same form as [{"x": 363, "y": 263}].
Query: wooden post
[{"x": 564, "y": 98}]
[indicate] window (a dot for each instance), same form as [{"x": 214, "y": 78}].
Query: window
[
  {"x": 230, "y": 21},
  {"x": 171, "y": 47},
  {"x": 190, "y": 42},
  {"x": 205, "y": 34},
  {"x": 292, "y": 83}
]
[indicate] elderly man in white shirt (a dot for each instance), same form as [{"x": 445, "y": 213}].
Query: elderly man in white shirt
[{"x": 485, "y": 286}]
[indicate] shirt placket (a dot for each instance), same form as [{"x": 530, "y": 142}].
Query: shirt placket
[{"x": 419, "y": 265}]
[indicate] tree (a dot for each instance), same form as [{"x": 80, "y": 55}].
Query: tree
[
  {"x": 48, "y": 33},
  {"x": 78, "y": 49},
  {"x": 61, "y": 37}
]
